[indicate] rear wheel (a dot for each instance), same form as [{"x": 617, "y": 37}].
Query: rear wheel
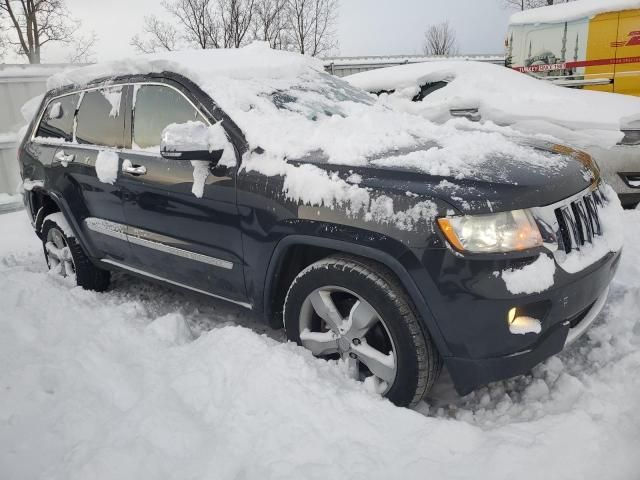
[
  {"x": 351, "y": 309},
  {"x": 66, "y": 258}
]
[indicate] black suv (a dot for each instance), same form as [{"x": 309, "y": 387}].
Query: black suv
[{"x": 143, "y": 169}]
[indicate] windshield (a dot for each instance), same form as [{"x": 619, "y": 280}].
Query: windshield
[{"x": 320, "y": 94}]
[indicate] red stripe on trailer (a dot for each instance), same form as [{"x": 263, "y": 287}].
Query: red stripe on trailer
[{"x": 586, "y": 63}]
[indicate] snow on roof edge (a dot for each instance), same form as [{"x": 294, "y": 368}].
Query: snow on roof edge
[
  {"x": 566, "y": 12},
  {"x": 255, "y": 59}
]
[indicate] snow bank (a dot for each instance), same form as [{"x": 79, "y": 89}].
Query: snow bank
[
  {"x": 566, "y": 12},
  {"x": 107, "y": 386},
  {"x": 107, "y": 166},
  {"x": 505, "y": 97}
]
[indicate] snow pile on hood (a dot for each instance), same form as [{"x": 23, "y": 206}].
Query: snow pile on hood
[
  {"x": 505, "y": 97},
  {"x": 566, "y": 12},
  {"x": 286, "y": 104}
]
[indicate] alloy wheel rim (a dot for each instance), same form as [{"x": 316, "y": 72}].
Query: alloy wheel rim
[
  {"x": 338, "y": 323},
  {"x": 59, "y": 256}
]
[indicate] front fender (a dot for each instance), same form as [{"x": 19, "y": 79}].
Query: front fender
[{"x": 388, "y": 252}]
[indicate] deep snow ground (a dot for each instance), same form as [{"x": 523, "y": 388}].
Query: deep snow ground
[{"x": 143, "y": 382}]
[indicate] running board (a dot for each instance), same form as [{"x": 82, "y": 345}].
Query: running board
[{"x": 123, "y": 266}]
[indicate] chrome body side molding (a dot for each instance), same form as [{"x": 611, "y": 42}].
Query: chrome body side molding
[{"x": 152, "y": 240}]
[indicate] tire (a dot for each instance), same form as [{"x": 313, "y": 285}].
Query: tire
[
  {"x": 65, "y": 256},
  {"x": 375, "y": 312}
]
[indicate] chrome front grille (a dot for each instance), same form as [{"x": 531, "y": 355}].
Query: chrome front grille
[{"x": 578, "y": 220}]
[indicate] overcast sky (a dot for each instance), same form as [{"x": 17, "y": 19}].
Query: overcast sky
[{"x": 366, "y": 27}]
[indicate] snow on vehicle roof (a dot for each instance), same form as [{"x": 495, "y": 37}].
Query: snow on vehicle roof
[
  {"x": 566, "y": 12},
  {"x": 286, "y": 104},
  {"x": 289, "y": 106},
  {"x": 503, "y": 96}
]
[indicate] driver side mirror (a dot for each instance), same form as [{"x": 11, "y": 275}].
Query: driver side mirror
[{"x": 194, "y": 141}]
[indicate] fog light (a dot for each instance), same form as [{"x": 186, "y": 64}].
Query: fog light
[{"x": 520, "y": 325}]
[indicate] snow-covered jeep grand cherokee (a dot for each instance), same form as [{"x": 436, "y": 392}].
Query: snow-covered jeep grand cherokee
[{"x": 375, "y": 237}]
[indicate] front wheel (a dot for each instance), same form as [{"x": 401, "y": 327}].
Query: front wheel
[
  {"x": 347, "y": 308},
  {"x": 66, "y": 258}
]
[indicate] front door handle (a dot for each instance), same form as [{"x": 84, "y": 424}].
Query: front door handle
[
  {"x": 63, "y": 158},
  {"x": 128, "y": 167}
]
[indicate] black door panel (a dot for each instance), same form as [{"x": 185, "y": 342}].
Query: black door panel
[
  {"x": 190, "y": 240},
  {"x": 99, "y": 132},
  {"x": 161, "y": 202},
  {"x": 94, "y": 199}
]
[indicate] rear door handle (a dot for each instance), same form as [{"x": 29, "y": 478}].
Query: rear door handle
[
  {"x": 128, "y": 167},
  {"x": 63, "y": 158}
]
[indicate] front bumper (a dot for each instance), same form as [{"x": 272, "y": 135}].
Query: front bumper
[
  {"x": 474, "y": 322},
  {"x": 472, "y": 299},
  {"x": 468, "y": 373}
]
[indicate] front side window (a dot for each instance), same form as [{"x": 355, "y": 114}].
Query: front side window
[
  {"x": 57, "y": 121},
  {"x": 155, "y": 108},
  {"x": 99, "y": 119}
]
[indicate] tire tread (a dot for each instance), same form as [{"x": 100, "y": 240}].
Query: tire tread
[{"x": 429, "y": 360}]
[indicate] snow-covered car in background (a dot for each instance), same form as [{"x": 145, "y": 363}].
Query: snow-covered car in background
[
  {"x": 606, "y": 125},
  {"x": 376, "y": 238}
]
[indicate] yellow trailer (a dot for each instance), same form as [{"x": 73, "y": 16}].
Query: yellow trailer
[{"x": 590, "y": 44}]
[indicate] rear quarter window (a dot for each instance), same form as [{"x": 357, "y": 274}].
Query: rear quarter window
[
  {"x": 99, "y": 118},
  {"x": 57, "y": 120}
]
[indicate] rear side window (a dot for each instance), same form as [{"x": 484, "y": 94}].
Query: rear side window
[
  {"x": 99, "y": 119},
  {"x": 156, "y": 107},
  {"x": 57, "y": 121}
]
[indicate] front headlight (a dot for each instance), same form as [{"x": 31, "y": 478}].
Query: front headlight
[{"x": 492, "y": 233}]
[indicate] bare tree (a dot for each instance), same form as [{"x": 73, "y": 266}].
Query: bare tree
[
  {"x": 270, "y": 22},
  {"x": 81, "y": 49},
  {"x": 35, "y": 23},
  {"x": 158, "y": 35},
  {"x": 3, "y": 44},
  {"x": 527, "y": 4},
  {"x": 440, "y": 39},
  {"x": 307, "y": 26},
  {"x": 312, "y": 24},
  {"x": 198, "y": 20},
  {"x": 236, "y": 19}
]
